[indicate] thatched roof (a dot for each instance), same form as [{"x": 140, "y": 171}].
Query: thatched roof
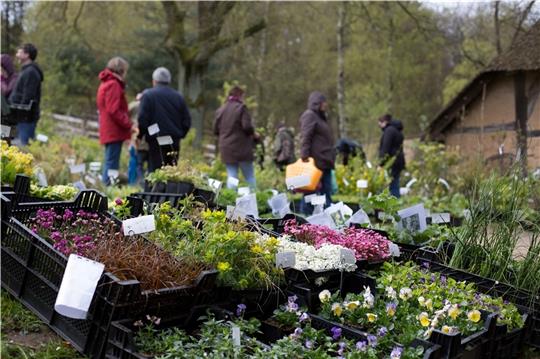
[{"x": 524, "y": 55}]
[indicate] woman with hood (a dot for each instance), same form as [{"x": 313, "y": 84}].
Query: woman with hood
[
  {"x": 317, "y": 141},
  {"x": 9, "y": 76},
  {"x": 115, "y": 126}
]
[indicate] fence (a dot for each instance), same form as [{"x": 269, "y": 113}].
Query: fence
[{"x": 87, "y": 126}]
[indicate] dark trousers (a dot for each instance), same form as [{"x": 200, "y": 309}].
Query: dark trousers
[
  {"x": 394, "y": 185},
  {"x": 326, "y": 189},
  {"x": 159, "y": 156},
  {"x": 112, "y": 159}
]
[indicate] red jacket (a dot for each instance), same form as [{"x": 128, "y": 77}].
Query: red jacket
[{"x": 114, "y": 122}]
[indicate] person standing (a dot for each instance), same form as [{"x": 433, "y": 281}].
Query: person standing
[
  {"x": 115, "y": 127},
  {"x": 283, "y": 147},
  {"x": 165, "y": 107},
  {"x": 25, "y": 98},
  {"x": 9, "y": 78},
  {"x": 236, "y": 136},
  {"x": 391, "y": 148},
  {"x": 317, "y": 141}
]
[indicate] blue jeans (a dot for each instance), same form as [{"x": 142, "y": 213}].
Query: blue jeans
[
  {"x": 112, "y": 159},
  {"x": 26, "y": 131},
  {"x": 326, "y": 189},
  {"x": 394, "y": 186},
  {"x": 247, "y": 170}
]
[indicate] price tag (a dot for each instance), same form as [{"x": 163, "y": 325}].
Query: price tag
[
  {"x": 42, "y": 179},
  {"x": 80, "y": 168},
  {"x": 440, "y": 218},
  {"x": 94, "y": 166},
  {"x": 236, "y": 335},
  {"x": 309, "y": 197},
  {"x": 112, "y": 173},
  {"x": 297, "y": 181},
  {"x": 318, "y": 200},
  {"x": 285, "y": 259},
  {"x": 6, "y": 131},
  {"x": 232, "y": 182},
  {"x": 346, "y": 256},
  {"x": 215, "y": 184},
  {"x": 142, "y": 224},
  {"x": 153, "y": 129},
  {"x": 164, "y": 140},
  {"x": 79, "y": 185},
  {"x": 42, "y": 138},
  {"x": 362, "y": 184},
  {"x": 242, "y": 191}
]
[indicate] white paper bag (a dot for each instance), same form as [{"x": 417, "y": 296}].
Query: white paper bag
[
  {"x": 248, "y": 205},
  {"x": 322, "y": 219},
  {"x": 78, "y": 286}
]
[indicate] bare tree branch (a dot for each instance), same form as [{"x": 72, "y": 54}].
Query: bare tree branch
[
  {"x": 229, "y": 41},
  {"x": 523, "y": 17}
]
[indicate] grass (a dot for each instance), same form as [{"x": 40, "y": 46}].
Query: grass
[
  {"x": 16, "y": 318},
  {"x": 52, "y": 350}
]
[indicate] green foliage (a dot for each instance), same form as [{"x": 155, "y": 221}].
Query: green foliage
[
  {"x": 347, "y": 177},
  {"x": 51, "y": 350},
  {"x": 17, "y": 318},
  {"x": 55, "y": 193},
  {"x": 249, "y": 101}
]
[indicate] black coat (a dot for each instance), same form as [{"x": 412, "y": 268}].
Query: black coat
[
  {"x": 166, "y": 107},
  {"x": 27, "y": 90},
  {"x": 391, "y": 145}
]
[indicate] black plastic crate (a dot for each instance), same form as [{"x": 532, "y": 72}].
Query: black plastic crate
[
  {"x": 509, "y": 344},
  {"x": 32, "y": 271},
  {"x": 277, "y": 225},
  {"x": 431, "y": 350}
]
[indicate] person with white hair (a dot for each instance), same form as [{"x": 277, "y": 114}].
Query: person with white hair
[{"x": 163, "y": 112}]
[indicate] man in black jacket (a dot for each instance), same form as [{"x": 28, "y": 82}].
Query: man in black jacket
[
  {"x": 391, "y": 148},
  {"x": 26, "y": 95},
  {"x": 166, "y": 108}
]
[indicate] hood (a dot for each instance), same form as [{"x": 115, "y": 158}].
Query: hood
[
  {"x": 7, "y": 64},
  {"x": 36, "y": 67},
  {"x": 397, "y": 124},
  {"x": 315, "y": 100},
  {"x": 108, "y": 75}
]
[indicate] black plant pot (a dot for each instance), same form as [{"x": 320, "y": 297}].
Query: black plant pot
[
  {"x": 205, "y": 196},
  {"x": 272, "y": 331},
  {"x": 180, "y": 187}
]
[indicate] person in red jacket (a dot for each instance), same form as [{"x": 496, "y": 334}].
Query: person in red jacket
[{"x": 115, "y": 126}]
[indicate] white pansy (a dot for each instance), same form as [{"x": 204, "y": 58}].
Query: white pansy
[
  {"x": 405, "y": 293},
  {"x": 325, "y": 295},
  {"x": 391, "y": 293}
]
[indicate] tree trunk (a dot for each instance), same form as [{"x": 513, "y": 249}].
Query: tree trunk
[
  {"x": 191, "y": 84},
  {"x": 260, "y": 65},
  {"x": 497, "y": 28},
  {"x": 520, "y": 100},
  {"x": 342, "y": 125},
  {"x": 390, "y": 59}
]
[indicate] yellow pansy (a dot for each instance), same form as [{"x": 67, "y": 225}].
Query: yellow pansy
[
  {"x": 474, "y": 316},
  {"x": 429, "y": 304},
  {"x": 352, "y": 305},
  {"x": 223, "y": 266},
  {"x": 446, "y": 329},
  {"x": 337, "y": 309},
  {"x": 424, "y": 319},
  {"x": 257, "y": 249},
  {"x": 371, "y": 317},
  {"x": 454, "y": 311}
]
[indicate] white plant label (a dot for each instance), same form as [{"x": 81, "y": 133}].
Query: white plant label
[
  {"x": 242, "y": 191},
  {"x": 236, "y": 335},
  {"x": 285, "y": 259},
  {"x": 153, "y": 129},
  {"x": 444, "y": 183},
  {"x": 369, "y": 165},
  {"x": 164, "y": 140},
  {"x": 440, "y": 218},
  {"x": 232, "y": 182},
  {"x": 362, "y": 184},
  {"x": 42, "y": 179},
  {"x": 318, "y": 200},
  {"x": 413, "y": 218},
  {"x": 346, "y": 256},
  {"x": 90, "y": 180},
  {"x": 79, "y": 185},
  {"x": 142, "y": 224},
  {"x": 345, "y": 182},
  {"x": 403, "y": 191},
  {"x": 94, "y": 166},
  {"x": 394, "y": 249},
  {"x": 215, "y": 184},
  {"x": 309, "y": 197},
  {"x": 6, "y": 131},
  {"x": 42, "y": 138},
  {"x": 297, "y": 181},
  {"x": 112, "y": 173},
  {"x": 80, "y": 168},
  {"x": 411, "y": 182}
]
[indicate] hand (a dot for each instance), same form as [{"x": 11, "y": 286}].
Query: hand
[
  {"x": 139, "y": 96},
  {"x": 134, "y": 130}
]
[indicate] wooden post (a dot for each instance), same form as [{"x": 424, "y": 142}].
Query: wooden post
[{"x": 520, "y": 101}]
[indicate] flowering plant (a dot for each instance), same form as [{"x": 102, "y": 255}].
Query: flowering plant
[
  {"x": 55, "y": 193},
  {"x": 366, "y": 244},
  {"x": 290, "y": 313},
  {"x": 14, "y": 162}
]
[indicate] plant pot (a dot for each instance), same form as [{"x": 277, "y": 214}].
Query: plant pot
[
  {"x": 205, "y": 196},
  {"x": 272, "y": 331},
  {"x": 259, "y": 303},
  {"x": 180, "y": 187}
]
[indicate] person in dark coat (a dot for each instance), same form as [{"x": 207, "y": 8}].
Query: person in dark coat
[
  {"x": 25, "y": 98},
  {"x": 236, "y": 136},
  {"x": 284, "y": 147},
  {"x": 9, "y": 79},
  {"x": 391, "y": 148},
  {"x": 115, "y": 126},
  {"x": 317, "y": 141},
  {"x": 165, "y": 107},
  {"x": 349, "y": 148}
]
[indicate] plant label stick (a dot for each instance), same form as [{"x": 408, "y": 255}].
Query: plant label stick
[
  {"x": 79, "y": 185},
  {"x": 232, "y": 182},
  {"x": 346, "y": 256},
  {"x": 285, "y": 259},
  {"x": 80, "y": 168},
  {"x": 297, "y": 181},
  {"x": 42, "y": 138},
  {"x": 242, "y": 191},
  {"x": 164, "y": 140},
  {"x": 309, "y": 197},
  {"x": 6, "y": 131},
  {"x": 153, "y": 129},
  {"x": 318, "y": 200},
  {"x": 215, "y": 184},
  {"x": 362, "y": 183},
  {"x": 142, "y": 224},
  {"x": 345, "y": 182},
  {"x": 42, "y": 179},
  {"x": 94, "y": 166},
  {"x": 437, "y": 218},
  {"x": 113, "y": 174},
  {"x": 369, "y": 165},
  {"x": 236, "y": 335},
  {"x": 90, "y": 180}
]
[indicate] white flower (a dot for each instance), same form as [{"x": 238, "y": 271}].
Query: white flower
[
  {"x": 390, "y": 293},
  {"x": 369, "y": 299},
  {"x": 405, "y": 293},
  {"x": 324, "y": 296}
]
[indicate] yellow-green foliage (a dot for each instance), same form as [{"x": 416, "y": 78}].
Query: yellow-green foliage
[{"x": 14, "y": 162}]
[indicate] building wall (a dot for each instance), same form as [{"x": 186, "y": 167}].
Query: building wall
[{"x": 476, "y": 135}]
